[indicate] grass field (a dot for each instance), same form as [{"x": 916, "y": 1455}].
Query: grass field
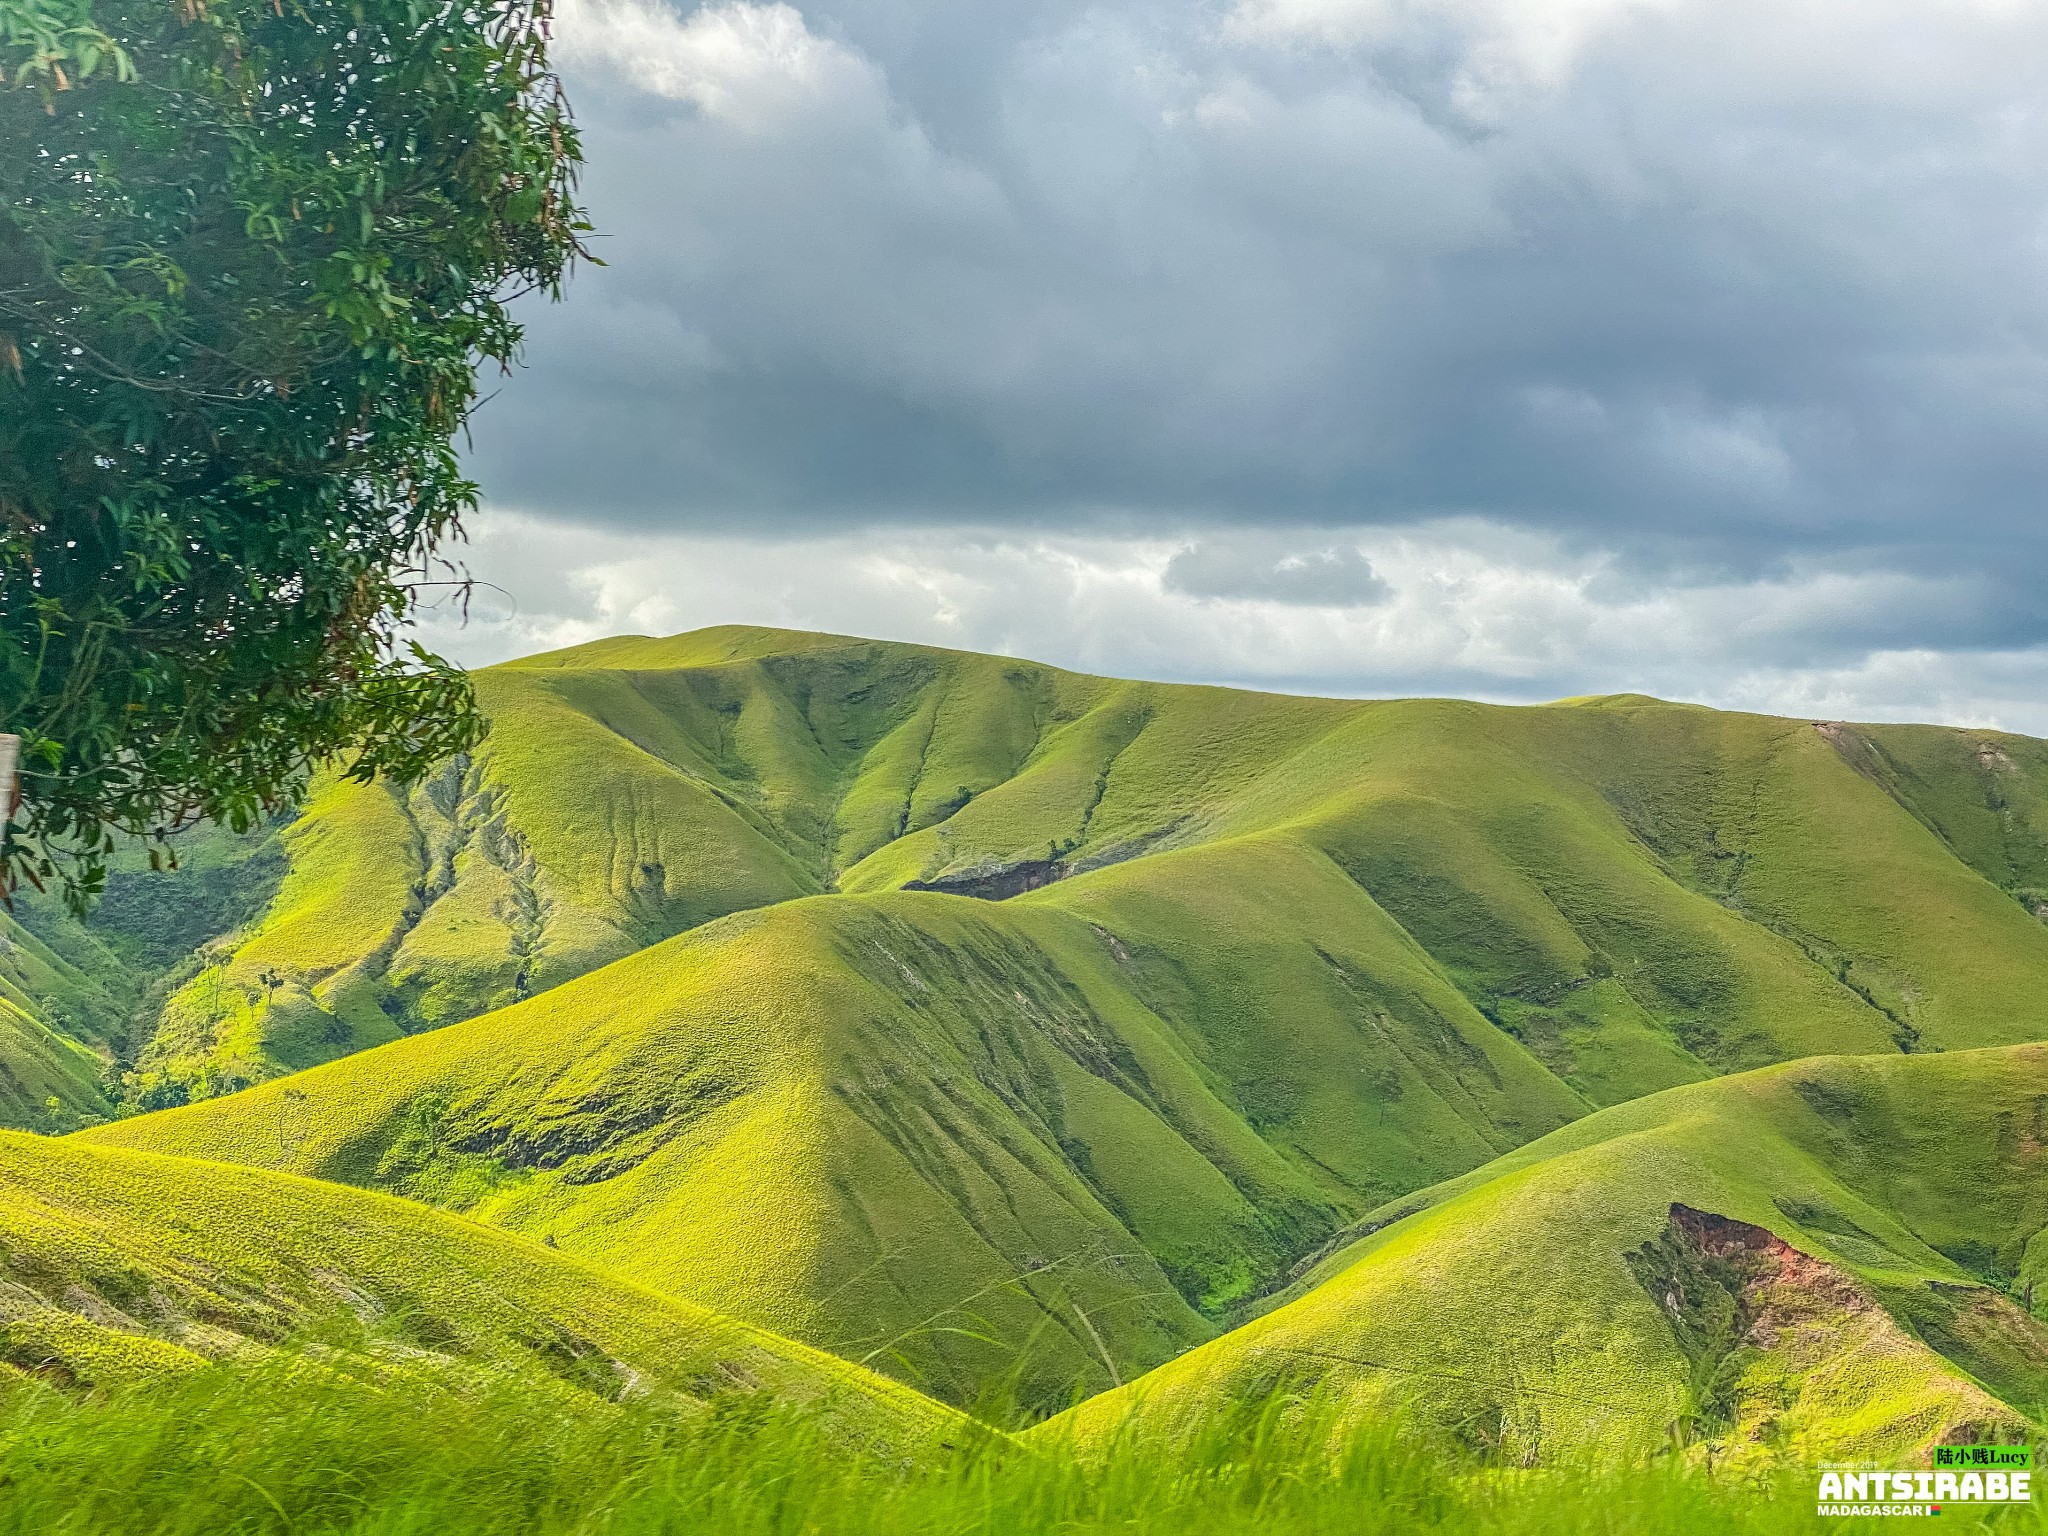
[
  {"x": 1838, "y": 1257},
  {"x": 191, "y": 1348},
  {"x": 770, "y": 1021},
  {"x": 269, "y": 1456},
  {"x": 693, "y": 970},
  {"x": 124, "y": 1270}
]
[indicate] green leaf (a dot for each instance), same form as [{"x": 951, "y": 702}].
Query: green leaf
[{"x": 226, "y": 452}]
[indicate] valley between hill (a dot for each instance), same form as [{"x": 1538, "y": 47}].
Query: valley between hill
[{"x": 1837, "y": 1257}]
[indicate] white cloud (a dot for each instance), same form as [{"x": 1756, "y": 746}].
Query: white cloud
[
  {"x": 752, "y": 66},
  {"x": 1458, "y": 607}
]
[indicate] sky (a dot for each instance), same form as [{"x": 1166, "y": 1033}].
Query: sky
[{"x": 1513, "y": 349}]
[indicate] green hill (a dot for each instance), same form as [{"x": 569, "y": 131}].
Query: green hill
[
  {"x": 79, "y": 999},
  {"x": 717, "y": 1007},
  {"x": 1642, "y": 893},
  {"x": 915, "y": 1128},
  {"x": 52, "y": 1013},
  {"x": 118, "y": 1267},
  {"x": 1828, "y": 1258}
]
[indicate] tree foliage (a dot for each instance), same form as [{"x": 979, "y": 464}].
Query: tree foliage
[{"x": 252, "y": 253}]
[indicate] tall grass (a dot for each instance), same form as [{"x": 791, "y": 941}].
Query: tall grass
[{"x": 311, "y": 1453}]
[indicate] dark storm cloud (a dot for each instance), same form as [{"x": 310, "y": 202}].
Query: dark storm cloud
[{"x": 1716, "y": 287}]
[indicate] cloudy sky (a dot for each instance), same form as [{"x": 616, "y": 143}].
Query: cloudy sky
[{"x": 1508, "y": 348}]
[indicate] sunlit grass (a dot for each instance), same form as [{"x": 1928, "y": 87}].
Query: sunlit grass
[
  {"x": 292, "y": 1450},
  {"x": 1313, "y": 956}
]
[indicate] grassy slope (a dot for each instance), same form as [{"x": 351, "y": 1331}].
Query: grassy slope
[
  {"x": 1642, "y": 893},
  {"x": 73, "y": 993},
  {"x": 1304, "y": 956},
  {"x": 608, "y": 809},
  {"x": 269, "y": 1457},
  {"x": 52, "y": 1013},
  {"x": 890, "y": 1124},
  {"x": 1537, "y": 1304},
  {"x": 118, "y": 1266}
]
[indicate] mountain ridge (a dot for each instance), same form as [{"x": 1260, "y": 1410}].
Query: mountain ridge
[{"x": 1262, "y": 964}]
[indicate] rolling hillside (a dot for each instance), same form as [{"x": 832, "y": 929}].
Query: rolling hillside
[
  {"x": 895, "y": 1125},
  {"x": 1834, "y": 1257},
  {"x": 52, "y": 1015},
  {"x": 122, "y": 1266},
  {"x": 971, "y": 1018},
  {"x": 81, "y": 999},
  {"x": 1641, "y": 893}
]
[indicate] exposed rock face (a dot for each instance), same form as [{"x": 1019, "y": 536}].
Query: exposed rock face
[
  {"x": 998, "y": 884},
  {"x": 1784, "y": 1345}
]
